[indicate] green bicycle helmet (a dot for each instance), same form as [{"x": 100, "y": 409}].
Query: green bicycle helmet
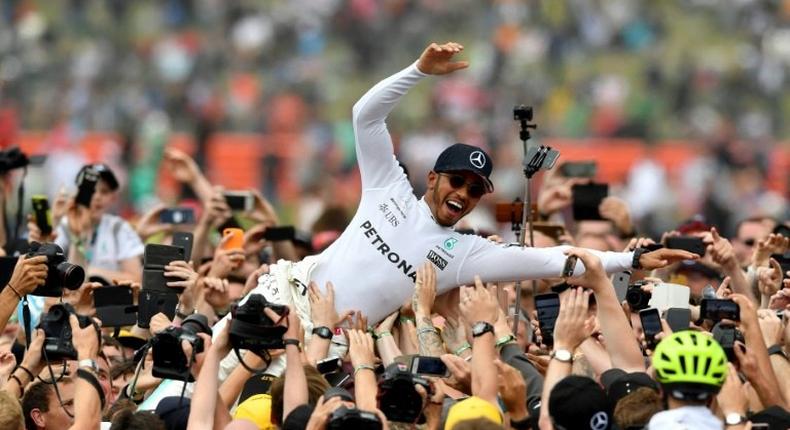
[{"x": 690, "y": 365}]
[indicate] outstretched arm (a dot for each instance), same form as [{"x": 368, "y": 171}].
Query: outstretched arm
[{"x": 373, "y": 143}]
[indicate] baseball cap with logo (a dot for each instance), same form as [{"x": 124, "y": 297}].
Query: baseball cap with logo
[
  {"x": 578, "y": 402},
  {"x": 462, "y": 157}
]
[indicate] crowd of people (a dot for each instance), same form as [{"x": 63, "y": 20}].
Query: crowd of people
[{"x": 390, "y": 318}]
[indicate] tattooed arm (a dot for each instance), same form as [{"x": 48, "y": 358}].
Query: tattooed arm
[{"x": 422, "y": 302}]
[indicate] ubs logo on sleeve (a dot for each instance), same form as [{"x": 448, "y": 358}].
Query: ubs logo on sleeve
[{"x": 437, "y": 260}]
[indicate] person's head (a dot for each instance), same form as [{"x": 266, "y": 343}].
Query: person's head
[
  {"x": 473, "y": 413},
  {"x": 747, "y": 233},
  {"x": 10, "y": 412},
  {"x": 636, "y": 409},
  {"x": 690, "y": 367},
  {"x": 128, "y": 419},
  {"x": 106, "y": 188},
  {"x": 578, "y": 402},
  {"x": 43, "y": 409},
  {"x": 697, "y": 275},
  {"x": 458, "y": 180},
  {"x": 316, "y": 386}
]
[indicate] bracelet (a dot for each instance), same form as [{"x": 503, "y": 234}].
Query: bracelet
[
  {"x": 88, "y": 376},
  {"x": 18, "y": 381},
  {"x": 504, "y": 340},
  {"x": 404, "y": 320},
  {"x": 294, "y": 342},
  {"x": 378, "y": 336},
  {"x": 29, "y": 373},
  {"x": 776, "y": 350},
  {"x": 15, "y": 291},
  {"x": 423, "y": 330},
  {"x": 462, "y": 348},
  {"x": 359, "y": 367}
]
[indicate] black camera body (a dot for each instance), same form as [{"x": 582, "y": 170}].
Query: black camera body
[
  {"x": 398, "y": 399},
  {"x": 252, "y": 330},
  {"x": 57, "y": 332},
  {"x": 169, "y": 359},
  {"x": 60, "y": 273},
  {"x": 522, "y": 113},
  {"x": 11, "y": 159},
  {"x": 637, "y": 298},
  {"x": 352, "y": 418}
]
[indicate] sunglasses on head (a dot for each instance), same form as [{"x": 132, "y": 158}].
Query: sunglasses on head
[{"x": 475, "y": 188}]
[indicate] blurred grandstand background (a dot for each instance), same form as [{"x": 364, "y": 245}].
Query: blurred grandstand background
[{"x": 682, "y": 103}]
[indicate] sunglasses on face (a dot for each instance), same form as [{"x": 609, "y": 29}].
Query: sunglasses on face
[
  {"x": 475, "y": 188},
  {"x": 749, "y": 242}
]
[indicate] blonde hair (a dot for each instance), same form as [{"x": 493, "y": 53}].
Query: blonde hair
[{"x": 10, "y": 412}]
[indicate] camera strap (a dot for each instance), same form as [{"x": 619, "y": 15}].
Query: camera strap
[{"x": 26, "y": 321}]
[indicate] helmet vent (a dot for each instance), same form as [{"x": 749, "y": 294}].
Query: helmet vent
[
  {"x": 707, "y": 365},
  {"x": 682, "y": 365},
  {"x": 695, "y": 364}
]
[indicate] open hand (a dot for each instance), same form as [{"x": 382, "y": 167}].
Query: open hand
[
  {"x": 664, "y": 257},
  {"x": 436, "y": 59}
]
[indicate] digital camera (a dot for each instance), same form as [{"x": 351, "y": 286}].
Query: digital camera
[
  {"x": 169, "y": 359},
  {"x": 57, "y": 332},
  {"x": 252, "y": 330},
  {"x": 353, "y": 418},
  {"x": 637, "y": 298},
  {"x": 398, "y": 399},
  {"x": 60, "y": 273}
]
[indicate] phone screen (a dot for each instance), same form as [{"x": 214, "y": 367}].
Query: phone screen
[
  {"x": 651, "y": 324},
  {"x": 433, "y": 366},
  {"x": 238, "y": 201},
  {"x": 177, "y": 216},
  {"x": 586, "y": 199},
  {"x": 719, "y": 309},
  {"x": 548, "y": 308}
]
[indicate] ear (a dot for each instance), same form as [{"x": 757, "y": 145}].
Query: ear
[
  {"x": 433, "y": 178},
  {"x": 38, "y": 417}
]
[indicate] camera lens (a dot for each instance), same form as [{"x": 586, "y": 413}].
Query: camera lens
[
  {"x": 71, "y": 276},
  {"x": 637, "y": 298}
]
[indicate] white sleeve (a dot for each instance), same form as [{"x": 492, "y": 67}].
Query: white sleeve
[
  {"x": 129, "y": 242},
  {"x": 499, "y": 263},
  {"x": 375, "y": 154}
]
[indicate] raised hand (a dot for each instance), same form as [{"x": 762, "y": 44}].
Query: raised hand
[
  {"x": 664, "y": 257},
  {"x": 28, "y": 274},
  {"x": 769, "y": 280},
  {"x": 322, "y": 307},
  {"x": 149, "y": 224},
  {"x": 479, "y": 304},
  {"x": 180, "y": 165},
  {"x": 360, "y": 348},
  {"x": 616, "y": 210},
  {"x": 773, "y": 244},
  {"x": 594, "y": 276},
  {"x": 437, "y": 59},
  {"x": 573, "y": 323},
  {"x": 424, "y": 290}
]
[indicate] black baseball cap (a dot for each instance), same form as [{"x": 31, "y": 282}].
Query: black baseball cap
[
  {"x": 104, "y": 172},
  {"x": 578, "y": 402},
  {"x": 462, "y": 157},
  {"x": 619, "y": 383}
]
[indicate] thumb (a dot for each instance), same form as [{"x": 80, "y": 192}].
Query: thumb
[
  {"x": 715, "y": 234},
  {"x": 458, "y": 65},
  {"x": 776, "y": 266}
]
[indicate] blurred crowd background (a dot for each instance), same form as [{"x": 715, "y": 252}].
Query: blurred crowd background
[{"x": 260, "y": 92}]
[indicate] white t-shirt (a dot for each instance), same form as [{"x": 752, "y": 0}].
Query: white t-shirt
[
  {"x": 373, "y": 264},
  {"x": 685, "y": 418},
  {"x": 114, "y": 241}
]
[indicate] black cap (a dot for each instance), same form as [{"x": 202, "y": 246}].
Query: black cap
[
  {"x": 619, "y": 383},
  {"x": 774, "y": 416},
  {"x": 174, "y": 411},
  {"x": 104, "y": 172},
  {"x": 462, "y": 157},
  {"x": 578, "y": 402}
]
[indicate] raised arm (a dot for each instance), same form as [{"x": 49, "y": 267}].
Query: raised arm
[
  {"x": 499, "y": 263},
  {"x": 373, "y": 143}
]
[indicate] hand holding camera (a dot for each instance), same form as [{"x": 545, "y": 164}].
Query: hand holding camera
[
  {"x": 32, "y": 358},
  {"x": 216, "y": 210},
  {"x": 29, "y": 273},
  {"x": 149, "y": 224},
  {"x": 85, "y": 337}
]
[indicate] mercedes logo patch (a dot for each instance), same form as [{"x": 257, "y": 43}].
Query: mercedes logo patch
[{"x": 478, "y": 159}]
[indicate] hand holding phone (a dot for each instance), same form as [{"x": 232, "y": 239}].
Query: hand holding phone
[
  {"x": 42, "y": 214},
  {"x": 651, "y": 325},
  {"x": 570, "y": 265},
  {"x": 233, "y": 238},
  {"x": 429, "y": 366},
  {"x": 239, "y": 201},
  {"x": 587, "y": 199},
  {"x": 719, "y": 309},
  {"x": 687, "y": 243},
  {"x": 178, "y": 215},
  {"x": 548, "y": 309}
]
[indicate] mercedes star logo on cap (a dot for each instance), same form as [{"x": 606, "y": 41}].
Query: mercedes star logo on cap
[{"x": 478, "y": 159}]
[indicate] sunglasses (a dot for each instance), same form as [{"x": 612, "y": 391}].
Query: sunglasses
[
  {"x": 475, "y": 188},
  {"x": 749, "y": 242}
]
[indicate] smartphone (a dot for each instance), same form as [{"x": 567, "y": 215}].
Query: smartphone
[
  {"x": 236, "y": 240},
  {"x": 620, "y": 281},
  {"x": 329, "y": 365},
  {"x": 155, "y": 258},
  {"x": 548, "y": 308},
  {"x": 651, "y": 325},
  {"x": 429, "y": 366},
  {"x": 678, "y": 318},
  {"x": 115, "y": 306},
  {"x": 179, "y": 215},
  {"x": 719, "y": 309},
  {"x": 687, "y": 243},
  {"x": 274, "y": 234},
  {"x": 86, "y": 186},
  {"x": 586, "y": 199},
  {"x": 239, "y": 201},
  {"x": 184, "y": 239},
  {"x": 337, "y": 379},
  {"x": 153, "y": 302},
  {"x": 579, "y": 169},
  {"x": 42, "y": 214},
  {"x": 570, "y": 265},
  {"x": 726, "y": 335}
]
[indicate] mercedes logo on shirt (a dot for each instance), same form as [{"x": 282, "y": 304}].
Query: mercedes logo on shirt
[{"x": 478, "y": 159}]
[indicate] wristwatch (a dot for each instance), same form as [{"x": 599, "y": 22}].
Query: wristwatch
[
  {"x": 562, "y": 355},
  {"x": 637, "y": 255},
  {"x": 734, "y": 419},
  {"x": 89, "y": 364},
  {"x": 323, "y": 332},
  {"x": 481, "y": 327}
]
